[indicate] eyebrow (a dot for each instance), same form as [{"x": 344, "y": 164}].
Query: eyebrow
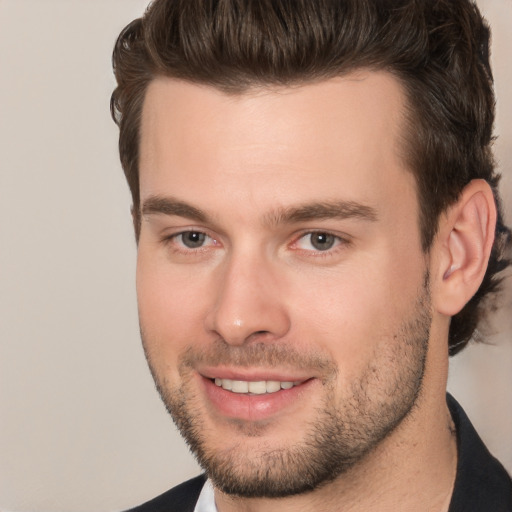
[
  {"x": 170, "y": 206},
  {"x": 323, "y": 211},
  {"x": 288, "y": 215}
]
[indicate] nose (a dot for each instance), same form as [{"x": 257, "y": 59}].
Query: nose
[{"x": 249, "y": 303}]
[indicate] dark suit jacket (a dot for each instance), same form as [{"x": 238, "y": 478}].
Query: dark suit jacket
[
  {"x": 481, "y": 484},
  {"x": 181, "y": 498}
]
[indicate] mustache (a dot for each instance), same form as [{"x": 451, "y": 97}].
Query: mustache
[{"x": 258, "y": 354}]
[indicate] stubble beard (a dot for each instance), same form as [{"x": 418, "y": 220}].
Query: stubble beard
[{"x": 338, "y": 436}]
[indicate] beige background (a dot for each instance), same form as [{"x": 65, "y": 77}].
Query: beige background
[{"x": 81, "y": 427}]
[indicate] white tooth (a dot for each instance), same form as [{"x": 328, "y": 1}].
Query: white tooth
[
  {"x": 297, "y": 382},
  {"x": 240, "y": 386},
  {"x": 273, "y": 386},
  {"x": 227, "y": 384},
  {"x": 218, "y": 382},
  {"x": 286, "y": 385},
  {"x": 258, "y": 388}
]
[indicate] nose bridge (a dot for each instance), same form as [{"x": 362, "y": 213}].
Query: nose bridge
[{"x": 249, "y": 299}]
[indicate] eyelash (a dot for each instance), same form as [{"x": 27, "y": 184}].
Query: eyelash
[
  {"x": 181, "y": 248},
  {"x": 339, "y": 241}
]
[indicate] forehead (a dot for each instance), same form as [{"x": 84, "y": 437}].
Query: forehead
[{"x": 339, "y": 136}]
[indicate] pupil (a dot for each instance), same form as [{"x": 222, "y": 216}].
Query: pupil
[
  {"x": 322, "y": 241},
  {"x": 193, "y": 239}
]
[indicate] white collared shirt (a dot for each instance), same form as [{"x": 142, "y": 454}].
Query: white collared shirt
[{"x": 206, "y": 501}]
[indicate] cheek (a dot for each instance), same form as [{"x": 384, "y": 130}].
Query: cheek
[
  {"x": 340, "y": 318},
  {"x": 171, "y": 312},
  {"x": 355, "y": 313}
]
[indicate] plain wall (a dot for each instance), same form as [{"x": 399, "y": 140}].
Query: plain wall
[{"x": 81, "y": 426}]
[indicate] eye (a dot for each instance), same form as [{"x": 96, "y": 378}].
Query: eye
[
  {"x": 193, "y": 239},
  {"x": 318, "y": 241}
]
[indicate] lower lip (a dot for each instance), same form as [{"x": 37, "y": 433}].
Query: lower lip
[{"x": 253, "y": 407}]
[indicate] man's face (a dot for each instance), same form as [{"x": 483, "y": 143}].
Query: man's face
[{"x": 283, "y": 294}]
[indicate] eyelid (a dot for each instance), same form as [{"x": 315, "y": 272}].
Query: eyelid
[
  {"x": 342, "y": 240},
  {"x": 169, "y": 238}
]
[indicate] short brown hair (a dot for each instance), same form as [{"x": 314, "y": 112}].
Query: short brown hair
[{"x": 437, "y": 49}]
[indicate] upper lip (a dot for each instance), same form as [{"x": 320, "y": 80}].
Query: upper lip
[{"x": 253, "y": 375}]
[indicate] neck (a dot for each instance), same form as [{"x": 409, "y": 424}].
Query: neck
[{"x": 412, "y": 469}]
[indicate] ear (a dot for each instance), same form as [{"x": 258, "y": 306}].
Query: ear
[{"x": 464, "y": 243}]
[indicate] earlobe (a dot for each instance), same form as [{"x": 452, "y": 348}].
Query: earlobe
[{"x": 466, "y": 236}]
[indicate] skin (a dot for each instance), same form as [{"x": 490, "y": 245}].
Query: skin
[{"x": 234, "y": 167}]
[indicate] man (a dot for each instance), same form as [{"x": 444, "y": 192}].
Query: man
[{"x": 318, "y": 227}]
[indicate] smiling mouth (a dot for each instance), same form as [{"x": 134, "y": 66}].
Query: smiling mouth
[{"x": 261, "y": 387}]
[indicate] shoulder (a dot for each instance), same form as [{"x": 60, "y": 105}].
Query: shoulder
[
  {"x": 181, "y": 498},
  {"x": 482, "y": 483}
]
